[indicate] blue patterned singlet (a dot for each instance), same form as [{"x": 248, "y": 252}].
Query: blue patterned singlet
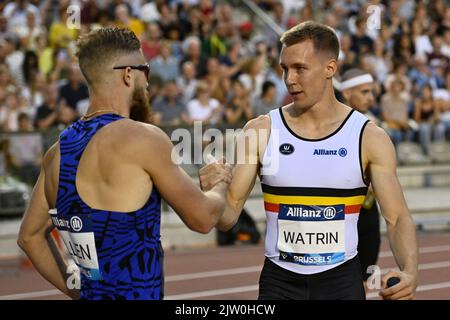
[{"x": 119, "y": 254}]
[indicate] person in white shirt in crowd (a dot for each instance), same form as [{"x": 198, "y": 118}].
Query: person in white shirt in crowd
[
  {"x": 187, "y": 83},
  {"x": 203, "y": 107},
  {"x": 16, "y": 13}
]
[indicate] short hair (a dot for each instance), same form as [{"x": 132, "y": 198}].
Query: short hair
[
  {"x": 323, "y": 37},
  {"x": 98, "y": 49}
]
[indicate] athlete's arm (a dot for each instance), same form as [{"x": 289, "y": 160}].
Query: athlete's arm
[
  {"x": 35, "y": 240},
  {"x": 249, "y": 145},
  {"x": 199, "y": 210},
  {"x": 401, "y": 230}
]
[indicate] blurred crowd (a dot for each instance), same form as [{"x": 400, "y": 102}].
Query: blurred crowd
[{"x": 216, "y": 62}]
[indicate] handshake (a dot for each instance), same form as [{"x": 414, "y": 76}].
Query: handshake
[{"x": 215, "y": 172}]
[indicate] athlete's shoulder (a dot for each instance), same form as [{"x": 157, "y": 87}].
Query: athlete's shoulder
[
  {"x": 261, "y": 122},
  {"x": 50, "y": 155},
  {"x": 373, "y": 132},
  {"x": 139, "y": 132},
  {"x": 376, "y": 140}
]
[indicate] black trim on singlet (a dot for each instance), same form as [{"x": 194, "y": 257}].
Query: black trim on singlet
[
  {"x": 313, "y": 192},
  {"x": 320, "y": 139},
  {"x": 360, "y": 153}
]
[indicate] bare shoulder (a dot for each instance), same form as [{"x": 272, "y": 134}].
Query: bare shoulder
[
  {"x": 50, "y": 156},
  {"x": 377, "y": 143},
  {"x": 141, "y": 141},
  {"x": 261, "y": 122},
  {"x": 135, "y": 133},
  {"x": 376, "y": 135}
]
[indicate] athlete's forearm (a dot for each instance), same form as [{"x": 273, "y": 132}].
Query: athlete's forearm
[
  {"x": 230, "y": 215},
  {"x": 48, "y": 262},
  {"x": 403, "y": 241},
  {"x": 215, "y": 205}
]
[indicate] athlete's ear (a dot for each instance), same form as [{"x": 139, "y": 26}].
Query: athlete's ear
[
  {"x": 127, "y": 77},
  {"x": 331, "y": 68}
]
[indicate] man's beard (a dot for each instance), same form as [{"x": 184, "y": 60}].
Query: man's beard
[{"x": 140, "y": 105}]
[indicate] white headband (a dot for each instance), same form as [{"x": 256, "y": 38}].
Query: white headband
[{"x": 356, "y": 81}]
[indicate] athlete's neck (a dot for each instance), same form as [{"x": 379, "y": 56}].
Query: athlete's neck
[
  {"x": 112, "y": 103},
  {"x": 327, "y": 110}
]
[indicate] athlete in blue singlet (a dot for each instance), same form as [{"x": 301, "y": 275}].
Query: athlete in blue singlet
[{"x": 101, "y": 185}]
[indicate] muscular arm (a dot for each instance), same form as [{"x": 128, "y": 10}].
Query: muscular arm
[
  {"x": 249, "y": 147},
  {"x": 400, "y": 226},
  {"x": 35, "y": 240},
  {"x": 199, "y": 210}
]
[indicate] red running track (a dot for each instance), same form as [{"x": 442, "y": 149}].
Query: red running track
[{"x": 232, "y": 273}]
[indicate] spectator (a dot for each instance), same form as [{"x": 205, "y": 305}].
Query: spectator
[
  {"x": 187, "y": 82},
  {"x": 380, "y": 61},
  {"x": 45, "y": 54},
  {"x": 422, "y": 42},
  {"x": 151, "y": 41},
  {"x": 124, "y": 20},
  {"x": 203, "y": 107},
  {"x": 231, "y": 62},
  {"x": 394, "y": 110},
  {"x": 361, "y": 43},
  {"x": 216, "y": 44},
  {"x": 7, "y": 82},
  {"x": 75, "y": 90},
  {"x": 25, "y": 151},
  {"x": 267, "y": 101},
  {"x": 253, "y": 77},
  {"x": 16, "y": 13},
  {"x": 4, "y": 31},
  {"x": 404, "y": 48},
  {"x": 14, "y": 58},
  {"x": 34, "y": 93},
  {"x": 29, "y": 32},
  {"x": 169, "y": 108},
  {"x": 192, "y": 53},
  {"x": 223, "y": 91},
  {"x": 399, "y": 72},
  {"x": 239, "y": 108},
  {"x": 213, "y": 74},
  {"x": 165, "y": 65},
  {"x": 276, "y": 77},
  {"x": 47, "y": 115},
  {"x": 9, "y": 113},
  {"x": 30, "y": 66},
  {"x": 168, "y": 20},
  {"x": 426, "y": 115},
  {"x": 442, "y": 99},
  {"x": 60, "y": 35},
  {"x": 446, "y": 43}
]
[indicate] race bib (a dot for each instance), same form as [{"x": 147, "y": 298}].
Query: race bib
[
  {"x": 311, "y": 235},
  {"x": 78, "y": 237}
]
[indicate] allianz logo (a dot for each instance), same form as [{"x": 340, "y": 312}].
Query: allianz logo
[
  {"x": 326, "y": 152},
  {"x": 75, "y": 223},
  {"x": 328, "y": 212}
]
